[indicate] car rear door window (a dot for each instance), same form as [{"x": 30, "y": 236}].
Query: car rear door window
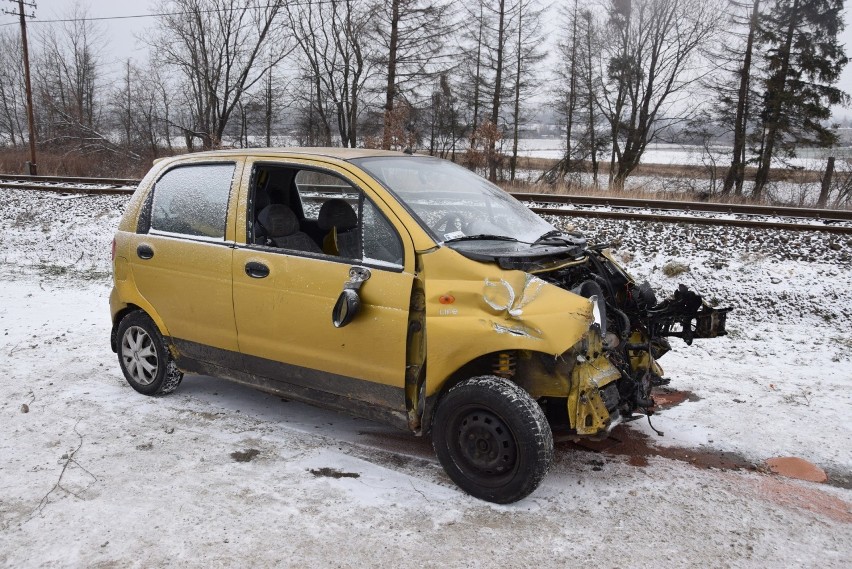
[{"x": 193, "y": 200}]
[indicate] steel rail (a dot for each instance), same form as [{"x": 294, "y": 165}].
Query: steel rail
[
  {"x": 694, "y": 220},
  {"x": 63, "y": 180},
  {"x": 541, "y": 204},
  {"x": 704, "y": 207}
]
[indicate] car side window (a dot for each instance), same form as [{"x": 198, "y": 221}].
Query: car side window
[
  {"x": 193, "y": 200},
  {"x": 315, "y": 212},
  {"x": 330, "y": 206},
  {"x": 316, "y": 188},
  {"x": 380, "y": 239}
]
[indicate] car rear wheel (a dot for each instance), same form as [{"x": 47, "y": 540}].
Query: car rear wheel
[
  {"x": 493, "y": 439},
  {"x": 144, "y": 357}
]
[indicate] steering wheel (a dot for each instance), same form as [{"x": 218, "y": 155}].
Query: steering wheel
[{"x": 450, "y": 222}]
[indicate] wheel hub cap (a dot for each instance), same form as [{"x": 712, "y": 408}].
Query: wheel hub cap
[
  {"x": 139, "y": 355},
  {"x": 486, "y": 443}
]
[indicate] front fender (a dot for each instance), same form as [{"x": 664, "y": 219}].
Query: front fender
[{"x": 474, "y": 309}]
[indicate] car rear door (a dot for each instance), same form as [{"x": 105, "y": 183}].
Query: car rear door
[
  {"x": 284, "y": 311},
  {"x": 181, "y": 256}
]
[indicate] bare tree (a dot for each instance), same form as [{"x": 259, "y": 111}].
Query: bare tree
[
  {"x": 740, "y": 102},
  {"x": 68, "y": 82},
  {"x": 575, "y": 94},
  {"x": 12, "y": 95},
  {"x": 333, "y": 42},
  {"x": 141, "y": 108},
  {"x": 473, "y": 81},
  {"x": 222, "y": 49},
  {"x": 411, "y": 50},
  {"x": 649, "y": 57},
  {"x": 528, "y": 54},
  {"x": 487, "y": 32},
  {"x": 445, "y": 130},
  {"x": 496, "y": 101}
]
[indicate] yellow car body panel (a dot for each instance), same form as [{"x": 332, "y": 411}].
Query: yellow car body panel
[{"x": 493, "y": 310}]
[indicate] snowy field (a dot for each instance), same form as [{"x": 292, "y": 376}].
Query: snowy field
[
  {"x": 94, "y": 474},
  {"x": 681, "y": 154}
]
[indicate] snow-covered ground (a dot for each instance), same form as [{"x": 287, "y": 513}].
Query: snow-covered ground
[
  {"x": 94, "y": 474},
  {"x": 682, "y": 154}
]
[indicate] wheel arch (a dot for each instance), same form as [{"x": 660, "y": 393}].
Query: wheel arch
[
  {"x": 128, "y": 309},
  {"x": 538, "y": 373}
]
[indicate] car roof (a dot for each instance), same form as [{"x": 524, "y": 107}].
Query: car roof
[{"x": 329, "y": 152}]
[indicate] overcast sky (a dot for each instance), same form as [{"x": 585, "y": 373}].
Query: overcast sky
[{"x": 121, "y": 35}]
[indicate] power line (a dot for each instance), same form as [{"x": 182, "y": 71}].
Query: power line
[{"x": 159, "y": 14}]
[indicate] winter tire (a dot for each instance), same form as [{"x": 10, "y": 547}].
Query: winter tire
[
  {"x": 144, "y": 357},
  {"x": 493, "y": 439}
]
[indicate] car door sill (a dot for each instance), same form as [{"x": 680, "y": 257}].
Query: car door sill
[{"x": 366, "y": 399}]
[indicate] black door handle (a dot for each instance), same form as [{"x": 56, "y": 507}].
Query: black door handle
[
  {"x": 257, "y": 270},
  {"x": 144, "y": 251}
]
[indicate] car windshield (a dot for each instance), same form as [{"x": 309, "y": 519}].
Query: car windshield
[{"x": 454, "y": 203}]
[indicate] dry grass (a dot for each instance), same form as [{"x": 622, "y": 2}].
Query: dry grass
[{"x": 70, "y": 163}]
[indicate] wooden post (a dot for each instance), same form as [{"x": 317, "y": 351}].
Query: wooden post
[
  {"x": 826, "y": 183},
  {"x": 30, "y": 117}
]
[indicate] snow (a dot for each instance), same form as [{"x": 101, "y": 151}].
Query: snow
[
  {"x": 682, "y": 154},
  {"x": 95, "y": 474}
]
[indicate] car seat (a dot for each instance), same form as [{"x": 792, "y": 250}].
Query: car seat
[
  {"x": 261, "y": 200},
  {"x": 339, "y": 222},
  {"x": 281, "y": 227}
]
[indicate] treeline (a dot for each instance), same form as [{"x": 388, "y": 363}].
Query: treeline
[{"x": 457, "y": 80}]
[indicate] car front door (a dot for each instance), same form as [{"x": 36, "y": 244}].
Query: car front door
[{"x": 285, "y": 287}]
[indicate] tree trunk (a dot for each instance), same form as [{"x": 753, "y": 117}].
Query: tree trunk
[
  {"x": 826, "y": 183},
  {"x": 390, "y": 92},
  {"x": 495, "y": 106},
  {"x": 476, "y": 80},
  {"x": 517, "y": 97},
  {"x": 736, "y": 173},
  {"x": 776, "y": 87},
  {"x": 572, "y": 91},
  {"x": 591, "y": 95},
  {"x": 269, "y": 108}
]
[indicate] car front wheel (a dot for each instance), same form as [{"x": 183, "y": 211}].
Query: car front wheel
[
  {"x": 493, "y": 439},
  {"x": 144, "y": 357}
]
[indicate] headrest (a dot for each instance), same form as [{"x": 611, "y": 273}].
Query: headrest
[
  {"x": 278, "y": 220},
  {"x": 261, "y": 200},
  {"x": 337, "y": 213}
]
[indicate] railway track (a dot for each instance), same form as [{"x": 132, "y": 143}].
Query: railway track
[
  {"x": 698, "y": 213},
  {"x": 71, "y": 185}
]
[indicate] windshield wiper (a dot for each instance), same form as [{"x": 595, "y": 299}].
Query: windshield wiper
[
  {"x": 481, "y": 237},
  {"x": 550, "y": 234},
  {"x": 566, "y": 237}
]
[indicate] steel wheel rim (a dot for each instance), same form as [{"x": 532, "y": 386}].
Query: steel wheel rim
[
  {"x": 483, "y": 446},
  {"x": 139, "y": 355}
]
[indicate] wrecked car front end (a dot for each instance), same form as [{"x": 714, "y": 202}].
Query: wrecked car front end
[
  {"x": 566, "y": 323},
  {"x": 506, "y": 294}
]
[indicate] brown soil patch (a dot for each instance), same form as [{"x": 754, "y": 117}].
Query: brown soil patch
[
  {"x": 793, "y": 467},
  {"x": 245, "y": 455},
  {"x": 666, "y": 398},
  {"x": 326, "y": 472},
  {"x": 637, "y": 447}
]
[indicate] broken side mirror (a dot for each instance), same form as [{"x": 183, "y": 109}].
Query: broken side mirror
[{"x": 349, "y": 302}]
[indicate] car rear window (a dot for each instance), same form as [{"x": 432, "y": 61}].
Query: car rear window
[{"x": 193, "y": 200}]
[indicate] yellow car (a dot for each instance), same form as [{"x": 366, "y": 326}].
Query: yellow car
[{"x": 405, "y": 289}]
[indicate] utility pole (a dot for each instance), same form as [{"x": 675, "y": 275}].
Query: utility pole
[{"x": 31, "y": 165}]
